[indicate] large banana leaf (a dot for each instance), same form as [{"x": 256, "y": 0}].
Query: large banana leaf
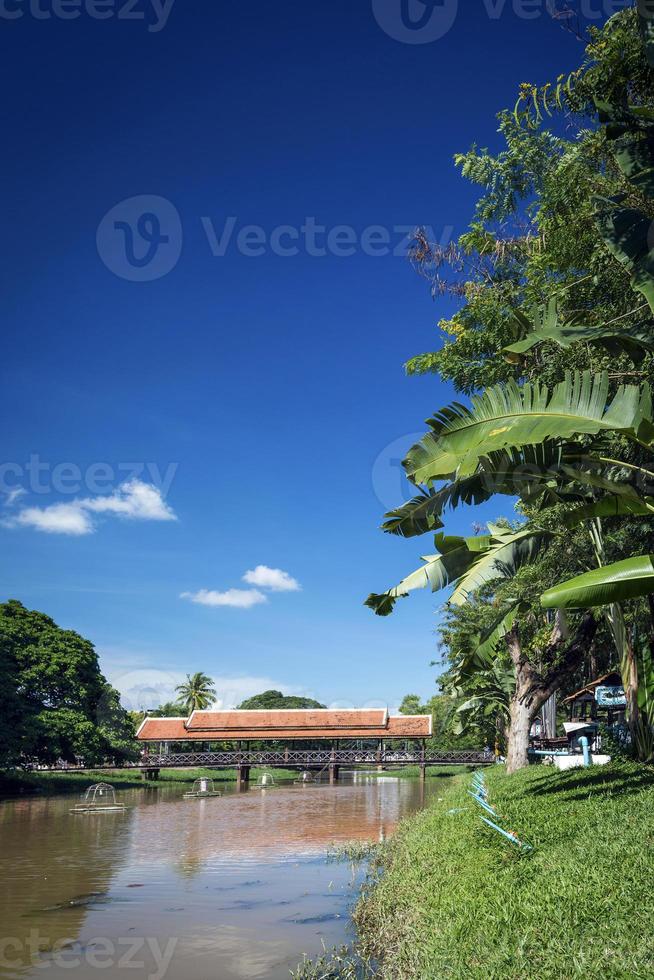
[
  {"x": 466, "y": 563},
  {"x": 489, "y": 641},
  {"x": 514, "y": 473},
  {"x": 512, "y": 416},
  {"x": 453, "y": 561},
  {"x": 603, "y": 586},
  {"x": 627, "y": 233},
  {"x": 610, "y": 507},
  {"x": 634, "y": 340}
]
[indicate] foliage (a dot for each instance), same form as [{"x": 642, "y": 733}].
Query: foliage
[
  {"x": 446, "y": 732},
  {"x": 57, "y": 704},
  {"x": 557, "y": 421},
  {"x": 453, "y": 901},
  {"x": 197, "y": 693},
  {"x": 54, "y": 783},
  {"x": 275, "y": 700}
]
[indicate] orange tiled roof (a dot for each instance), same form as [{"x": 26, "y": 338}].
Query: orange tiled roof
[
  {"x": 205, "y": 726},
  {"x": 300, "y": 719}
]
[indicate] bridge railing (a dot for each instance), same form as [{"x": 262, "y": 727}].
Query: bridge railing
[{"x": 314, "y": 758}]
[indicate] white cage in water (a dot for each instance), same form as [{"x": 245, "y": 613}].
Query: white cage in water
[
  {"x": 266, "y": 780},
  {"x": 202, "y": 788},
  {"x": 98, "y": 797},
  {"x": 306, "y": 777}
]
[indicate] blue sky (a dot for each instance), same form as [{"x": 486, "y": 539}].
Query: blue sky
[{"x": 263, "y": 392}]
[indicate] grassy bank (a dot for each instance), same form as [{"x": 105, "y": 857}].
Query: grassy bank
[
  {"x": 454, "y": 901},
  {"x": 413, "y": 772},
  {"x": 52, "y": 783}
]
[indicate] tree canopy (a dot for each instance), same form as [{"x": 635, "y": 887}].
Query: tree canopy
[
  {"x": 553, "y": 341},
  {"x": 54, "y": 701},
  {"x": 272, "y": 700}
]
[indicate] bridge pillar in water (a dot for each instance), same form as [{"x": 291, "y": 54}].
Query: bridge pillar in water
[
  {"x": 242, "y": 775},
  {"x": 334, "y": 771},
  {"x": 150, "y": 774}
]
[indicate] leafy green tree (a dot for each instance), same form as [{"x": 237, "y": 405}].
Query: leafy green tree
[
  {"x": 543, "y": 240},
  {"x": 275, "y": 700},
  {"x": 197, "y": 693},
  {"x": 59, "y": 704},
  {"x": 411, "y": 705},
  {"x": 170, "y": 709},
  {"x": 13, "y": 719}
]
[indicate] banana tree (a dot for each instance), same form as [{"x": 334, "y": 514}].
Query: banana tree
[
  {"x": 548, "y": 447},
  {"x": 520, "y": 441}
]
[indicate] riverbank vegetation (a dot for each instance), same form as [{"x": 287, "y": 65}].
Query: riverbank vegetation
[
  {"x": 16, "y": 783},
  {"x": 454, "y": 900},
  {"x": 553, "y": 343}
]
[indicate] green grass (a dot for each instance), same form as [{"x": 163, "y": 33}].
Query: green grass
[
  {"x": 412, "y": 772},
  {"x": 54, "y": 783},
  {"x": 450, "y": 899}
]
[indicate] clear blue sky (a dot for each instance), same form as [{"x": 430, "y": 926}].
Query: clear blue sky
[{"x": 273, "y": 382}]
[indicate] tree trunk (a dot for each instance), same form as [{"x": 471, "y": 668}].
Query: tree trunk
[
  {"x": 533, "y": 688},
  {"x": 630, "y": 684},
  {"x": 517, "y": 756}
]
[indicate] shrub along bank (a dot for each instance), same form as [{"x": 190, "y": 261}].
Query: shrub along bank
[{"x": 451, "y": 898}]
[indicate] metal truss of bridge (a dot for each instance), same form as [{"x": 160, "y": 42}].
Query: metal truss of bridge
[{"x": 292, "y": 758}]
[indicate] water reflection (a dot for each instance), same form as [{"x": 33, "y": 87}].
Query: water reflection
[{"x": 238, "y": 884}]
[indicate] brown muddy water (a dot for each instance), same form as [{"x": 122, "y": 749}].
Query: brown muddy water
[{"x": 215, "y": 889}]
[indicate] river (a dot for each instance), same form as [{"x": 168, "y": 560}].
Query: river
[{"x": 214, "y": 889}]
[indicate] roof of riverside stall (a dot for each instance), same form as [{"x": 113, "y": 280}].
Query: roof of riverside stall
[
  {"x": 589, "y": 689},
  {"x": 210, "y": 726}
]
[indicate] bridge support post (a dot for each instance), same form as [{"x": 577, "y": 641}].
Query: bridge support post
[
  {"x": 151, "y": 774},
  {"x": 242, "y": 775},
  {"x": 334, "y": 771},
  {"x": 423, "y": 754}
]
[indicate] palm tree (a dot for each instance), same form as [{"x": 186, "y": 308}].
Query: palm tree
[{"x": 197, "y": 693}]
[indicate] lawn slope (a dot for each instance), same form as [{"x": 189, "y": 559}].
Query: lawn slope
[{"x": 452, "y": 900}]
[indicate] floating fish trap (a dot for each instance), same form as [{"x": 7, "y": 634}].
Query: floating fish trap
[
  {"x": 266, "y": 780},
  {"x": 98, "y": 798},
  {"x": 202, "y": 788},
  {"x": 305, "y": 778}
]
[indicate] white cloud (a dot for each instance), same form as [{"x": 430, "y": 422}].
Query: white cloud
[
  {"x": 57, "y": 519},
  {"x": 148, "y": 687},
  {"x": 236, "y": 598},
  {"x": 134, "y": 500},
  {"x": 272, "y": 578}
]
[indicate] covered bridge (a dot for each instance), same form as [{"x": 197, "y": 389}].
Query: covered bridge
[{"x": 339, "y": 735}]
